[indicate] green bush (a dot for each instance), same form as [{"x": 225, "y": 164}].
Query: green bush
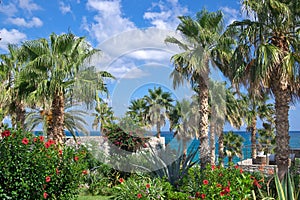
[
  {"x": 142, "y": 187},
  {"x": 131, "y": 141},
  {"x": 218, "y": 183},
  {"x": 32, "y": 168}
]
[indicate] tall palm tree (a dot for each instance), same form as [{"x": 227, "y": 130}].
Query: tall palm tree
[
  {"x": 54, "y": 67},
  {"x": 104, "y": 114},
  {"x": 11, "y": 65},
  {"x": 267, "y": 55},
  {"x": 233, "y": 145},
  {"x": 200, "y": 37},
  {"x": 158, "y": 105},
  {"x": 137, "y": 111},
  {"x": 252, "y": 109},
  {"x": 182, "y": 121},
  {"x": 233, "y": 116}
]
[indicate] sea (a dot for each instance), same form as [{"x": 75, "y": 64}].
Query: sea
[{"x": 194, "y": 143}]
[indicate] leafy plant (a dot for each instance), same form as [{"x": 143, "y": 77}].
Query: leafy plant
[
  {"x": 218, "y": 183},
  {"x": 33, "y": 168},
  {"x": 141, "y": 187}
]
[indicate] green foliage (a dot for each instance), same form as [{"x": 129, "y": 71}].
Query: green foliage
[
  {"x": 31, "y": 168},
  {"x": 218, "y": 183},
  {"x": 130, "y": 141},
  {"x": 142, "y": 187}
]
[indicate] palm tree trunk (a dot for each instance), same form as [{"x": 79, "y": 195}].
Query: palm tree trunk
[
  {"x": 221, "y": 145},
  {"x": 253, "y": 137},
  {"x": 20, "y": 114},
  {"x": 203, "y": 120},
  {"x": 58, "y": 105},
  {"x": 212, "y": 143},
  {"x": 282, "y": 100},
  {"x": 158, "y": 129}
]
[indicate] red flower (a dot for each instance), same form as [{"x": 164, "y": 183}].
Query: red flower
[
  {"x": 139, "y": 195},
  {"x": 41, "y": 138},
  {"x": 255, "y": 182},
  {"x": 227, "y": 189},
  {"x": 145, "y": 145},
  {"x": 197, "y": 195},
  {"x": 213, "y": 167},
  {"x": 241, "y": 170},
  {"x": 45, "y": 195},
  {"x": 222, "y": 193},
  {"x": 51, "y": 141},
  {"x": 203, "y": 196},
  {"x": 121, "y": 180},
  {"x": 34, "y": 139},
  {"x": 76, "y": 158},
  {"x": 5, "y": 133},
  {"x": 205, "y": 182},
  {"x": 84, "y": 172},
  {"x": 47, "y": 145},
  {"x": 148, "y": 185},
  {"x": 25, "y": 141},
  {"x": 236, "y": 167},
  {"x": 60, "y": 152},
  {"x": 48, "y": 179}
]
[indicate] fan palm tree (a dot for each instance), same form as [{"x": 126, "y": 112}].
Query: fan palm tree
[
  {"x": 267, "y": 56},
  {"x": 11, "y": 65},
  {"x": 137, "y": 111},
  {"x": 200, "y": 37},
  {"x": 158, "y": 105},
  {"x": 104, "y": 114},
  {"x": 233, "y": 145},
  {"x": 253, "y": 108},
  {"x": 53, "y": 73}
]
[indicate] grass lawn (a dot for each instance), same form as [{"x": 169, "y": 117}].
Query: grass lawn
[{"x": 93, "y": 198}]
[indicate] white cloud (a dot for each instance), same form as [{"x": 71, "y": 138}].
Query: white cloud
[
  {"x": 64, "y": 8},
  {"x": 9, "y": 9},
  {"x": 108, "y": 21},
  {"x": 166, "y": 17},
  {"x": 34, "y": 22},
  {"x": 12, "y": 36},
  {"x": 28, "y": 5},
  {"x": 230, "y": 14}
]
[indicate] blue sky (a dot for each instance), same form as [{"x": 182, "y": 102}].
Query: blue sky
[{"x": 130, "y": 33}]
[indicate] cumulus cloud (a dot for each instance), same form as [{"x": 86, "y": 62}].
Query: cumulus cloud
[
  {"x": 28, "y": 5},
  {"x": 230, "y": 14},
  {"x": 108, "y": 20},
  {"x": 12, "y": 36},
  {"x": 64, "y": 8},
  {"x": 166, "y": 16},
  {"x": 34, "y": 22},
  {"x": 9, "y": 9}
]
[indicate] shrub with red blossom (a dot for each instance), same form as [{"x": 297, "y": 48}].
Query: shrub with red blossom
[{"x": 35, "y": 168}]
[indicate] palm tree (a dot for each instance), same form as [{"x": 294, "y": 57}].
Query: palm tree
[
  {"x": 137, "y": 111},
  {"x": 158, "y": 105},
  {"x": 267, "y": 55},
  {"x": 200, "y": 37},
  {"x": 233, "y": 116},
  {"x": 233, "y": 145},
  {"x": 182, "y": 121},
  {"x": 104, "y": 115},
  {"x": 253, "y": 108},
  {"x": 53, "y": 73},
  {"x": 11, "y": 66}
]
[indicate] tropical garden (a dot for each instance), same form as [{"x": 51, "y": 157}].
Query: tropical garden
[{"x": 46, "y": 82}]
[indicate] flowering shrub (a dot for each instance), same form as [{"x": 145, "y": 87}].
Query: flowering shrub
[
  {"x": 131, "y": 141},
  {"x": 141, "y": 187},
  {"x": 218, "y": 183},
  {"x": 33, "y": 168}
]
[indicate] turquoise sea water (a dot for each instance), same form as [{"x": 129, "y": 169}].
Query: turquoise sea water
[{"x": 173, "y": 143}]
